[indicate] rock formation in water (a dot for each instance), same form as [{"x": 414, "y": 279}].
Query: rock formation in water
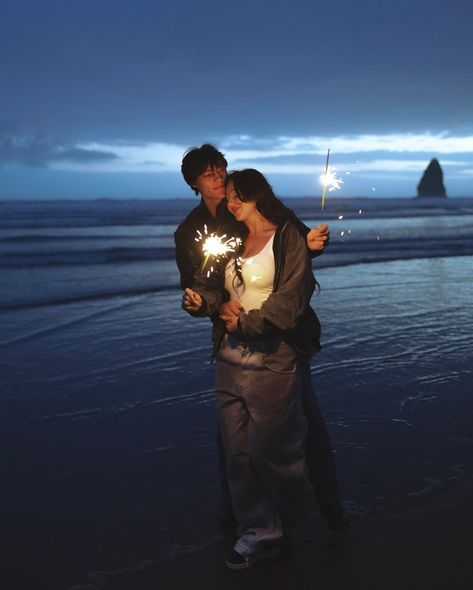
[{"x": 431, "y": 183}]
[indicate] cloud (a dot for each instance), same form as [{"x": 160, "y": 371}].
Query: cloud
[
  {"x": 132, "y": 157},
  {"x": 363, "y": 155},
  {"x": 440, "y": 143},
  {"x": 36, "y": 151}
]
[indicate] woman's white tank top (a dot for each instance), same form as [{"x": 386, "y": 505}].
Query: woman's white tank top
[{"x": 258, "y": 278}]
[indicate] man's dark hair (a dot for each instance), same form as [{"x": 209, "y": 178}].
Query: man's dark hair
[{"x": 197, "y": 160}]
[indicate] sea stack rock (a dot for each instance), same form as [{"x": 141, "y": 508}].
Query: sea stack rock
[{"x": 431, "y": 183}]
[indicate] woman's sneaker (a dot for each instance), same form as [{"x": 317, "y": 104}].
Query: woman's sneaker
[{"x": 263, "y": 550}]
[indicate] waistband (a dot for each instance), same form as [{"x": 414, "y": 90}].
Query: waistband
[{"x": 267, "y": 345}]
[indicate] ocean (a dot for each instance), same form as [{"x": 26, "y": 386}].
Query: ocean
[{"x": 107, "y": 418}]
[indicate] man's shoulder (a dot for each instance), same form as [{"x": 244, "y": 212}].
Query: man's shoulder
[{"x": 191, "y": 222}]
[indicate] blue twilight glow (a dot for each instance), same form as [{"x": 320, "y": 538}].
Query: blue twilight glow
[{"x": 101, "y": 99}]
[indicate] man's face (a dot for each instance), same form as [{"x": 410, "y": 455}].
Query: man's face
[{"x": 211, "y": 183}]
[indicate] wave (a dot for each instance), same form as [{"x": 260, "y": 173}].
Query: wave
[
  {"x": 33, "y": 238},
  {"x": 174, "y": 286},
  {"x": 84, "y": 257},
  {"x": 86, "y": 297},
  {"x": 136, "y": 212},
  {"x": 350, "y": 251},
  {"x": 99, "y": 213}
]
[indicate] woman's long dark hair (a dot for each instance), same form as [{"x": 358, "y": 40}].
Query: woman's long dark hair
[{"x": 251, "y": 185}]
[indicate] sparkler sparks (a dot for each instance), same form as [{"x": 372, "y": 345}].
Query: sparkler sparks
[
  {"x": 215, "y": 246},
  {"x": 329, "y": 180}
]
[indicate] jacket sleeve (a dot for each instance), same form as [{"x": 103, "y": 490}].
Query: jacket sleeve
[
  {"x": 286, "y": 305},
  {"x": 211, "y": 287},
  {"x": 188, "y": 256}
]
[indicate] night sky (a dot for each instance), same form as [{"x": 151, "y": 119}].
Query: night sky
[{"x": 100, "y": 98}]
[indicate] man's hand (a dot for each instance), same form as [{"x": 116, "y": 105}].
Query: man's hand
[
  {"x": 191, "y": 301},
  {"x": 318, "y": 238}
]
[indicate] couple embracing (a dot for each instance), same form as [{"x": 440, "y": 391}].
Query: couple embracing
[{"x": 275, "y": 455}]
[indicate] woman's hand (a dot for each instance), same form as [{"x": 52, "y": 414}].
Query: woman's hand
[
  {"x": 191, "y": 301},
  {"x": 318, "y": 238},
  {"x": 230, "y": 308},
  {"x": 231, "y": 322},
  {"x": 229, "y": 312}
]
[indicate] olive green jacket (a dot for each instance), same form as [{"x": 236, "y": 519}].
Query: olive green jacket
[{"x": 287, "y": 312}]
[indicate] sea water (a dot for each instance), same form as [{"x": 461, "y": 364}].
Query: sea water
[{"x": 107, "y": 418}]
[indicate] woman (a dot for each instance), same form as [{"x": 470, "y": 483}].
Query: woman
[{"x": 262, "y": 362}]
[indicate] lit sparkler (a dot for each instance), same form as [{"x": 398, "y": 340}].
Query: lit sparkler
[
  {"x": 329, "y": 180},
  {"x": 215, "y": 246}
]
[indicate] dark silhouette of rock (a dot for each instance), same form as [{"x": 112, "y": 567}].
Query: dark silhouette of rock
[{"x": 431, "y": 183}]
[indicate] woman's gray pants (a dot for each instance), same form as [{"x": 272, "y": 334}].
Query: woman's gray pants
[{"x": 259, "y": 397}]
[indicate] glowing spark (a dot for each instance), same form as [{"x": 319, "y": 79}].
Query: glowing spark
[
  {"x": 215, "y": 247},
  {"x": 324, "y": 184},
  {"x": 329, "y": 179}
]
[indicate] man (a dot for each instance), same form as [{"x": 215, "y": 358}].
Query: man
[{"x": 205, "y": 169}]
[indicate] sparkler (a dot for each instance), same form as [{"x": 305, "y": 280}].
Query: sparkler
[
  {"x": 329, "y": 180},
  {"x": 215, "y": 246}
]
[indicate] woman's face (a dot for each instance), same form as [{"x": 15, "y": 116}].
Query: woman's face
[{"x": 241, "y": 210}]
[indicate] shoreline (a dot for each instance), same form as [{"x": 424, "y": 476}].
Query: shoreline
[
  {"x": 422, "y": 548},
  {"x": 108, "y": 452}
]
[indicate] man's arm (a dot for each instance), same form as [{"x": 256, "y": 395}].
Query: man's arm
[{"x": 188, "y": 256}]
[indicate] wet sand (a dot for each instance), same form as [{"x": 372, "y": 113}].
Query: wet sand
[
  {"x": 107, "y": 434},
  {"x": 426, "y": 548}
]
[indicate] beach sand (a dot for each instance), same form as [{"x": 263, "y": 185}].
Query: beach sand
[
  {"x": 425, "y": 548},
  {"x": 108, "y": 422}
]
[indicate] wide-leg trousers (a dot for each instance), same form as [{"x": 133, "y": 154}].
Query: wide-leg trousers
[{"x": 263, "y": 426}]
